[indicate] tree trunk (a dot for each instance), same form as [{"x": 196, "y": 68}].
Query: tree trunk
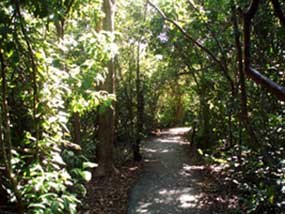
[
  {"x": 129, "y": 102},
  {"x": 241, "y": 67},
  {"x": 244, "y": 112},
  {"x": 178, "y": 105},
  {"x": 5, "y": 138},
  {"x": 140, "y": 109},
  {"x": 76, "y": 128},
  {"x": 105, "y": 144}
]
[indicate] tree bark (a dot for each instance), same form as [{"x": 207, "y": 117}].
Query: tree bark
[
  {"x": 253, "y": 74},
  {"x": 76, "y": 128},
  {"x": 242, "y": 84},
  {"x": 105, "y": 143},
  {"x": 140, "y": 109}
]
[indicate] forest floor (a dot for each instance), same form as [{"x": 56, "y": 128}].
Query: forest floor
[
  {"x": 173, "y": 178},
  {"x": 176, "y": 180},
  {"x": 109, "y": 195}
]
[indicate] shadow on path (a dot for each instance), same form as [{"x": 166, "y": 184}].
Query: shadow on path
[{"x": 172, "y": 181}]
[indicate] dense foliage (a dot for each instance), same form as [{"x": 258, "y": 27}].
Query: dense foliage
[
  {"x": 49, "y": 73},
  {"x": 177, "y": 63}
]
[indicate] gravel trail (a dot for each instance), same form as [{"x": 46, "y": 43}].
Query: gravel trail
[{"x": 171, "y": 182}]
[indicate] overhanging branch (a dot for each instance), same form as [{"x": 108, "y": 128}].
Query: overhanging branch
[
  {"x": 253, "y": 74},
  {"x": 273, "y": 87},
  {"x": 195, "y": 42},
  {"x": 189, "y": 37}
]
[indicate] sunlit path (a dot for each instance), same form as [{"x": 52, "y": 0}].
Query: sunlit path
[{"x": 168, "y": 184}]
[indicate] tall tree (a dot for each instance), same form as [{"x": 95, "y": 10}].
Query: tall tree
[{"x": 106, "y": 119}]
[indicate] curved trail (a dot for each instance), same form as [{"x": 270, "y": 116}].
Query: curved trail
[{"x": 171, "y": 182}]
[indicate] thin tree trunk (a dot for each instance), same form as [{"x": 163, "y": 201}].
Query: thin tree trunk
[
  {"x": 129, "y": 102},
  {"x": 34, "y": 76},
  {"x": 76, "y": 128},
  {"x": 140, "y": 109},
  {"x": 243, "y": 94},
  {"x": 5, "y": 142},
  {"x": 244, "y": 111}
]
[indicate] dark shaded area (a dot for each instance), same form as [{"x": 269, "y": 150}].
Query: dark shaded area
[{"x": 109, "y": 195}]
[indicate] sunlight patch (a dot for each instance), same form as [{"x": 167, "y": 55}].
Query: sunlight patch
[
  {"x": 150, "y": 150},
  {"x": 187, "y": 200},
  {"x": 143, "y": 208},
  {"x": 187, "y": 167},
  {"x": 181, "y": 130},
  {"x": 168, "y": 140}
]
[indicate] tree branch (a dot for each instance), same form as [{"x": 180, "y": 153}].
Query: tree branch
[
  {"x": 195, "y": 42},
  {"x": 184, "y": 32},
  {"x": 68, "y": 5},
  {"x": 251, "y": 10},
  {"x": 207, "y": 25},
  {"x": 253, "y": 74},
  {"x": 273, "y": 87}
]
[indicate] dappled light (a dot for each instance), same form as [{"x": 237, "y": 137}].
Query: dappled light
[
  {"x": 171, "y": 181},
  {"x": 142, "y": 106},
  {"x": 175, "y": 140},
  {"x": 182, "y": 199},
  {"x": 179, "y": 131}
]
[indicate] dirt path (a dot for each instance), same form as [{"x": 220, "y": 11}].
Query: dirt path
[{"x": 171, "y": 182}]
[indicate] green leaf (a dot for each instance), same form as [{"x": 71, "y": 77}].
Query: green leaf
[
  {"x": 200, "y": 151},
  {"x": 89, "y": 165},
  {"x": 55, "y": 207},
  {"x": 37, "y": 205},
  {"x": 86, "y": 175}
]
